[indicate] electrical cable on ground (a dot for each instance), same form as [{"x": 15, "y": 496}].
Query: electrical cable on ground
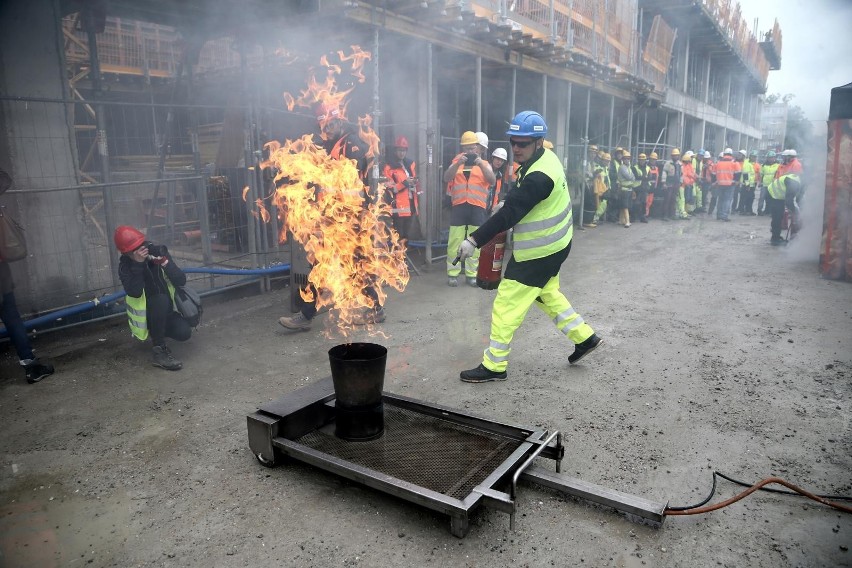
[{"x": 699, "y": 508}]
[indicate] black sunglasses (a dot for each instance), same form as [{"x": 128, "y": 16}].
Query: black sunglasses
[{"x": 521, "y": 144}]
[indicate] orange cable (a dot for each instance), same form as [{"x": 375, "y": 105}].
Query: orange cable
[{"x": 752, "y": 489}]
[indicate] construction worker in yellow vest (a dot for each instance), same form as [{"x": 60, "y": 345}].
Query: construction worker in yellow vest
[
  {"x": 782, "y": 194},
  {"x": 600, "y": 187},
  {"x": 468, "y": 179},
  {"x": 767, "y": 176},
  {"x": 539, "y": 211},
  {"x": 149, "y": 276}
]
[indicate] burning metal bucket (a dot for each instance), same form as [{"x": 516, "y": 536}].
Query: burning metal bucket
[{"x": 358, "y": 374}]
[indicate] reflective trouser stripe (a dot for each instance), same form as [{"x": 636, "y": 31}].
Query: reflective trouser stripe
[
  {"x": 511, "y": 305},
  {"x": 471, "y": 265},
  {"x": 681, "y": 203},
  {"x": 599, "y": 212}
]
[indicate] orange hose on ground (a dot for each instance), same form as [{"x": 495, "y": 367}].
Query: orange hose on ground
[{"x": 752, "y": 489}]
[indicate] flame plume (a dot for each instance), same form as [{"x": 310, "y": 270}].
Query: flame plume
[{"x": 323, "y": 203}]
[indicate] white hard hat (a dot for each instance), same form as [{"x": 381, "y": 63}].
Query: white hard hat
[
  {"x": 792, "y": 152},
  {"x": 482, "y": 139},
  {"x": 707, "y": 154},
  {"x": 688, "y": 153},
  {"x": 785, "y": 153},
  {"x": 728, "y": 151},
  {"x": 743, "y": 153},
  {"x": 500, "y": 153}
]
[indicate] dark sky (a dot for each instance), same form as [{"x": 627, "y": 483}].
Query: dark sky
[{"x": 816, "y": 50}]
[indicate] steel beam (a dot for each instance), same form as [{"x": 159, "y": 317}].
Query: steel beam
[{"x": 624, "y": 502}]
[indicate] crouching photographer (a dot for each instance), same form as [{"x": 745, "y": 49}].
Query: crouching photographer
[{"x": 150, "y": 276}]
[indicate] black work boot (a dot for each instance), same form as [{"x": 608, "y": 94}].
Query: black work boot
[
  {"x": 584, "y": 348},
  {"x": 36, "y": 371},
  {"x": 164, "y": 358},
  {"x": 482, "y": 375}
]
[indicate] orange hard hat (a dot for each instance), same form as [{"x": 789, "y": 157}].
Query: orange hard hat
[
  {"x": 127, "y": 238},
  {"x": 401, "y": 142}
]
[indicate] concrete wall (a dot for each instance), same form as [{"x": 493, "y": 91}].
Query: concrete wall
[{"x": 36, "y": 141}]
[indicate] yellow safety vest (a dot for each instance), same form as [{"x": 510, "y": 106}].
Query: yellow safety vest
[
  {"x": 767, "y": 173},
  {"x": 137, "y": 311},
  {"x": 778, "y": 188},
  {"x": 549, "y": 226}
]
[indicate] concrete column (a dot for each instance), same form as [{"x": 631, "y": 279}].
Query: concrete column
[
  {"x": 728, "y": 96},
  {"x": 686, "y": 65},
  {"x": 707, "y": 80},
  {"x": 37, "y": 149}
]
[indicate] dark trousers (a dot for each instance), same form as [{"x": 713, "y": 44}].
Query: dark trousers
[
  {"x": 669, "y": 202},
  {"x": 776, "y": 209},
  {"x": 746, "y": 200},
  {"x": 15, "y": 327},
  {"x": 735, "y": 198},
  {"x": 164, "y": 322},
  {"x": 402, "y": 225},
  {"x": 714, "y": 197},
  {"x": 705, "y": 193},
  {"x": 638, "y": 211},
  {"x": 309, "y": 309}
]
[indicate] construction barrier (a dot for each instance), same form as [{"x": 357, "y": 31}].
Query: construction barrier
[{"x": 836, "y": 246}]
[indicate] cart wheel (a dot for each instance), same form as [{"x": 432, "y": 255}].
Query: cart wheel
[{"x": 265, "y": 462}]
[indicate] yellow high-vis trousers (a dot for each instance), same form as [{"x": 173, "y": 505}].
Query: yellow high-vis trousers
[
  {"x": 471, "y": 265},
  {"x": 511, "y": 305}
]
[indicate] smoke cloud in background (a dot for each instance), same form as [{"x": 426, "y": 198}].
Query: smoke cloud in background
[{"x": 816, "y": 44}]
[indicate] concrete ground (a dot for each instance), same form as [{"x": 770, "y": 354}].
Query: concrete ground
[{"x": 721, "y": 353}]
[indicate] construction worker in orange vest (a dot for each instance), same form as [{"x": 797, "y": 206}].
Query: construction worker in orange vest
[
  {"x": 728, "y": 173},
  {"x": 468, "y": 178},
  {"x": 402, "y": 187}
]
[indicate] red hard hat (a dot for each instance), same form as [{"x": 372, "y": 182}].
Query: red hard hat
[
  {"x": 127, "y": 239},
  {"x": 401, "y": 142}
]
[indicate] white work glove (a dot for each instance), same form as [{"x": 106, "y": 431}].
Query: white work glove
[
  {"x": 497, "y": 207},
  {"x": 466, "y": 249}
]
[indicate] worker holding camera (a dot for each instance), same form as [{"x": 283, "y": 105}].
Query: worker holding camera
[
  {"x": 150, "y": 275},
  {"x": 468, "y": 179}
]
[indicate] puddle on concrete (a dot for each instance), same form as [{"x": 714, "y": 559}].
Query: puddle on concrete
[{"x": 44, "y": 523}]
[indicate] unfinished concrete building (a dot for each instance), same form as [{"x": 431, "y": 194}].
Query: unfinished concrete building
[{"x": 154, "y": 113}]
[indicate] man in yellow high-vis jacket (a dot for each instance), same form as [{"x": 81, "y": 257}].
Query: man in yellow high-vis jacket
[{"x": 539, "y": 210}]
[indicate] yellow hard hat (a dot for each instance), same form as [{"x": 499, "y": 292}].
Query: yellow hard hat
[
  {"x": 625, "y": 154},
  {"x": 654, "y": 156},
  {"x": 642, "y": 157},
  {"x": 619, "y": 149},
  {"x": 593, "y": 147},
  {"x": 468, "y": 137},
  {"x": 607, "y": 157},
  {"x": 676, "y": 152},
  {"x": 601, "y": 154},
  {"x": 548, "y": 144}
]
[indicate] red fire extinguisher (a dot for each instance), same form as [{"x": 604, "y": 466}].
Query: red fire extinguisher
[{"x": 491, "y": 263}]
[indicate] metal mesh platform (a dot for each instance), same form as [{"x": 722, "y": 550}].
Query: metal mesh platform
[{"x": 437, "y": 454}]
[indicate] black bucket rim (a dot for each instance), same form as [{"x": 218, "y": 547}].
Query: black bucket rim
[{"x": 368, "y": 351}]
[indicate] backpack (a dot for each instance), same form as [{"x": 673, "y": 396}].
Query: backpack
[{"x": 188, "y": 305}]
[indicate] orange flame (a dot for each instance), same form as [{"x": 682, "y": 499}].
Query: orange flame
[{"x": 323, "y": 202}]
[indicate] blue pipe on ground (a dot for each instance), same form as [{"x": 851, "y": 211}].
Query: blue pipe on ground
[{"x": 91, "y": 304}]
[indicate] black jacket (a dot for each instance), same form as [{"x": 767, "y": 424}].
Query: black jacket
[{"x": 149, "y": 276}]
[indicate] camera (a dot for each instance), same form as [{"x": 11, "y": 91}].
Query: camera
[
  {"x": 155, "y": 250},
  {"x": 470, "y": 158}
]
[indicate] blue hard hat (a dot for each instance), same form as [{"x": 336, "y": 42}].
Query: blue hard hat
[
  {"x": 701, "y": 152},
  {"x": 527, "y": 123}
]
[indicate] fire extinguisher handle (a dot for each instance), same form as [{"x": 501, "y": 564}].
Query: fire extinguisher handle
[{"x": 456, "y": 261}]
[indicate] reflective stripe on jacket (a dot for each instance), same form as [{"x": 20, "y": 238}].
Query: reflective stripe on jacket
[
  {"x": 473, "y": 189},
  {"x": 778, "y": 188},
  {"x": 725, "y": 170},
  {"x": 548, "y": 227},
  {"x": 137, "y": 311},
  {"x": 767, "y": 173},
  {"x": 404, "y": 198}
]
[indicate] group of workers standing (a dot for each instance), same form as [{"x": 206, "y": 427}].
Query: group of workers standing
[{"x": 688, "y": 184}]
